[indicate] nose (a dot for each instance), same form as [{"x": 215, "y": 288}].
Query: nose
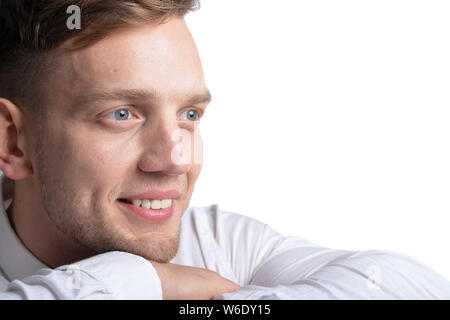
[{"x": 167, "y": 149}]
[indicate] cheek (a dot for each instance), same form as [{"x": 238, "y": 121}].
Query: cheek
[
  {"x": 193, "y": 174},
  {"x": 100, "y": 151},
  {"x": 197, "y": 156},
  {"x": 84, "y": 162},
  {"x": 197, "y": 148}
]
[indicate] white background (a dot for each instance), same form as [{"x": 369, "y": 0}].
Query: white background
[{"x": 331, "y": 120}]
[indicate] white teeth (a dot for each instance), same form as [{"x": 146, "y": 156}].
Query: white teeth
[
  {"x": 137, "y": 202},
  {"x": 156, "y": 204},
  {"x": 166, "y": 203},
  {"x": 146, "y": 204},
  {"x": 153, "y": 204}
]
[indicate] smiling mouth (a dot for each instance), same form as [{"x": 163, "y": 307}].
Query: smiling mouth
[
  {"x": 151, "y": 210},
  {"x": 149, "y": 204}
]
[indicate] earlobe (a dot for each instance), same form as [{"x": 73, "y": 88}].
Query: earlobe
[{"x": 13, "y": 160}]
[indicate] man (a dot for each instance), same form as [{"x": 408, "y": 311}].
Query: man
[{"x": 100, "y": 153}]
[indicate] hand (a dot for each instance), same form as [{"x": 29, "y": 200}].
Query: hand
[{"x": 191, "y": 283}]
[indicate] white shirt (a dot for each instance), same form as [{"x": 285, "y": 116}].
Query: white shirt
[{"x": 264, "y": 263}]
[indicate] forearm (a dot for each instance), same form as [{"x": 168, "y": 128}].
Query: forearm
[
  {"x": 113, "y": 275},
  {"x": 372, "y": 274}
]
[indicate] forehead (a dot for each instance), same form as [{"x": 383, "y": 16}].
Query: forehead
[{"x": 161, "y": 58}]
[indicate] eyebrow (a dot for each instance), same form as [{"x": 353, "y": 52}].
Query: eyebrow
[{"x": 98, "y": 95}]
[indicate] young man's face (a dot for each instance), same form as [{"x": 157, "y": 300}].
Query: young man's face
[{"x": 95, "y": 148}]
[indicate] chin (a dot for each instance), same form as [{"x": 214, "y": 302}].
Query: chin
[{"x": 162, "y": 251}]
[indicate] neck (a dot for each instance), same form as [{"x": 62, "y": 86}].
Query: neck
[{"x": 37, "y": 231}]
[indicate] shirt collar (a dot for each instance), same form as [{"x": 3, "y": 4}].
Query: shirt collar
[{"x": 16, "y": 260}]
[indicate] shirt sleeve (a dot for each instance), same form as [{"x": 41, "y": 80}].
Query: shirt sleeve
[
  {"x": 111, "y": 275},
  {"x": 269, "y": 266}
]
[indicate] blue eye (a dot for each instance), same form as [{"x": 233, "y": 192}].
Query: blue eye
[
  {"x": 121, "y": 114},
  {"x": 192, "y": 115}
]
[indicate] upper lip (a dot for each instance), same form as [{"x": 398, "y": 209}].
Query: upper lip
[{"x": 156, "y": 194}]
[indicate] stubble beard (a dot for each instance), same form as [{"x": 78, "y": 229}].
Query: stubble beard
[{"x": 84, "y": 225}]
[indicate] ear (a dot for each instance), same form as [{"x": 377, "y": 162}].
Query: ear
[{"x": 13, "y": 159}]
